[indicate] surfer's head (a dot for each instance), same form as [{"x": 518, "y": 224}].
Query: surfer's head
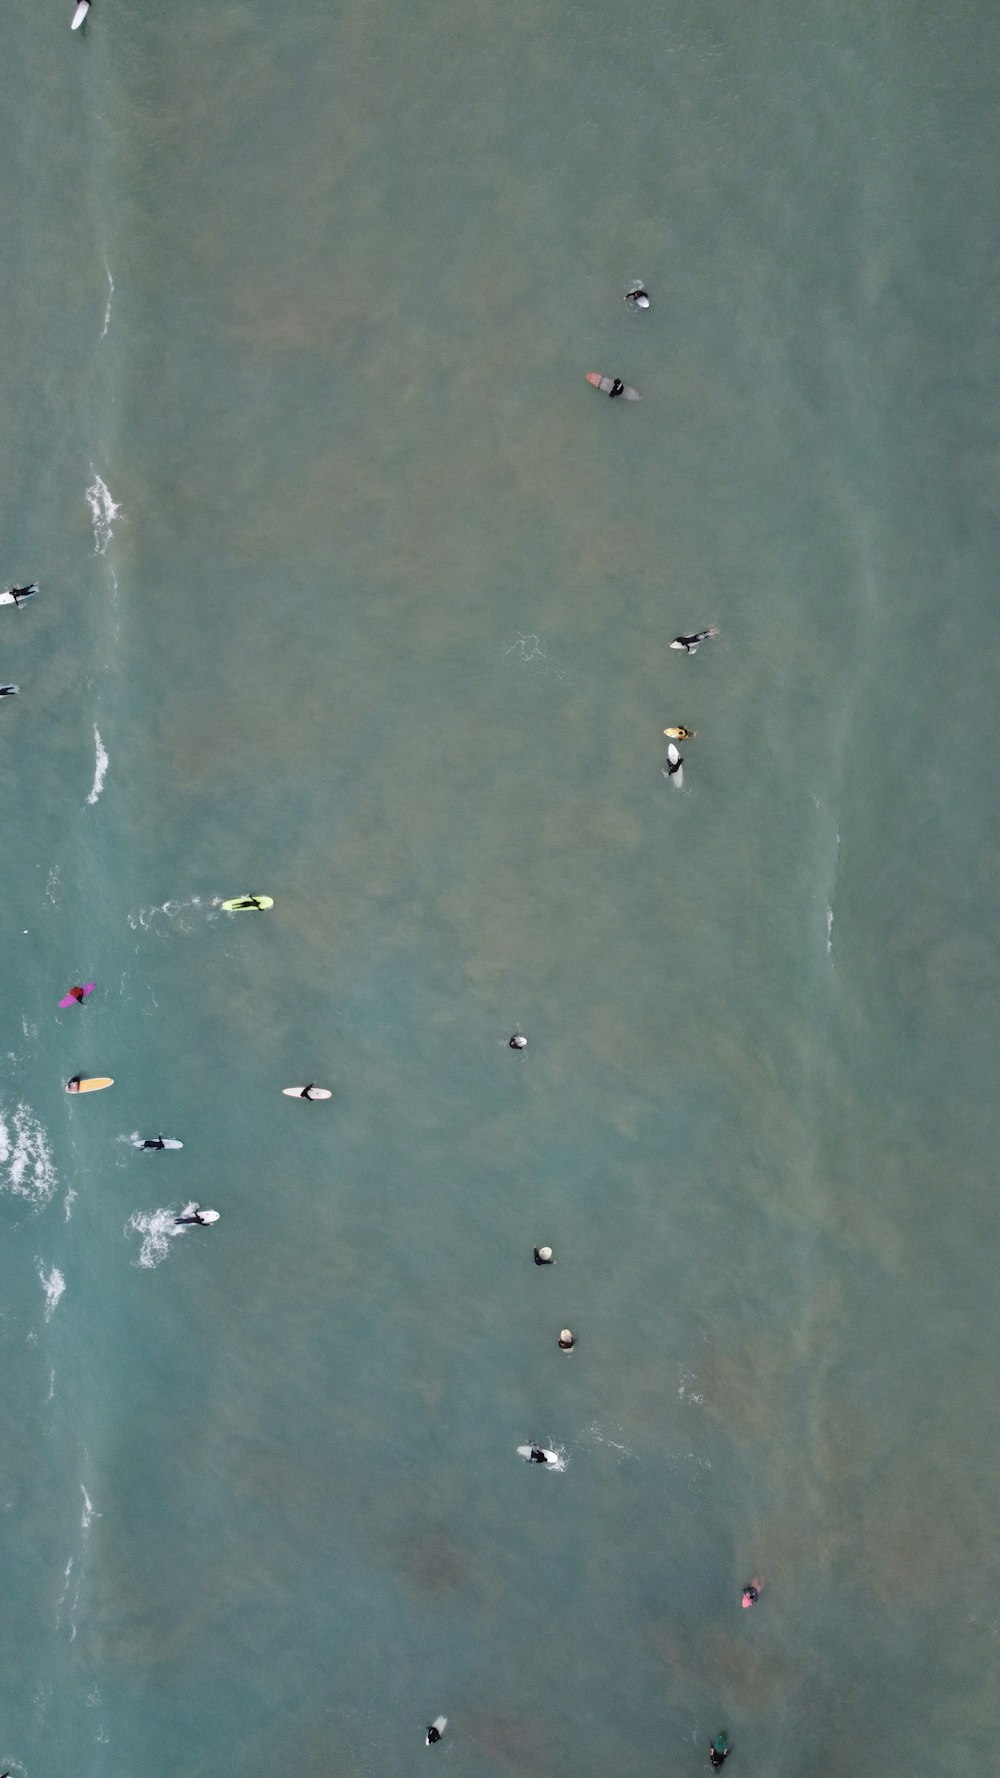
[{"x": 73, "y": 1086}]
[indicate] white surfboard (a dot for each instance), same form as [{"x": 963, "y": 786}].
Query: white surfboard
[
  {"x": 168, "y": 1142},
  {"x": 550, "y": 1456},
  {"x": 313, "y": 1093},
  {"x": 7, "y": 597},
  {"x": 675, "y": 760},
  {"x": 80, "y": 14}
]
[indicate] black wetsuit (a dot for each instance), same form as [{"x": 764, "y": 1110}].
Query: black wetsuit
[
  {"x": 617, "y": 388},
  {"x": 537, "y": 1455},
  {"x": 433, "y": 1735},
  {"x": 539, "y": 1261},
  {"x": 673, "y": 765},
  {"x": 154, "y": 1142}
]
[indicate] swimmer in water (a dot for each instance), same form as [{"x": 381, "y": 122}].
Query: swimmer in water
[
  {"x": 690, "y": 644},
  {"x": 204, "y": 1218},
  {"x": 720, "y": 1749},
  {"x": 637, "y": 297},
  {"x": 153, "y": 1142},
  {"x": 436, "y": 1730},
  {"x": 680, "y": 734},
  {"x": 544, "y": 1256},
  {"x": 517, "y": 1042},
  {"x": 752, "y": 1592}
]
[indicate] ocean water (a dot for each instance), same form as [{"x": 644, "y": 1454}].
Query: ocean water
[{"x": 354, "y": 594}]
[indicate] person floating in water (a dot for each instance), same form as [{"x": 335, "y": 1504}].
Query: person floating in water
[
  {"x": 690, "y": 644},
  {"x": 637, "y": 297},
  {"x": 153, "y": 1142},
  {"x": 204, "y": 1218},
  {"x": 720, "y": 1749},
  {"x": 436, "y": 1729},
  {"x": 752, "y": 1592},
  {"x": 544, "y": 1256},
  {"x": 251, "y": 901},
  {"x": 518, "y": 1041}
]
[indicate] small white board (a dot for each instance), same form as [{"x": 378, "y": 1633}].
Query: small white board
[
  {"x": 80, "y": 14},
  {"x": 551, "y": 1457},
  {"x": 301, "y": 1093}
]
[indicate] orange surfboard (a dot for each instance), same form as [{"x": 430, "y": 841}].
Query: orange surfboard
[{"x": 94, "y": 1084}]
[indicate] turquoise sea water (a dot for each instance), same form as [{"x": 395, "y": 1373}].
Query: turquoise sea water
[{"x": 355, "y": 595}]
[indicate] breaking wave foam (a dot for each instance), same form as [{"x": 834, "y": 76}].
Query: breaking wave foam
[
  {"x": 53, "y": 1283},
  {"x": 157, "y": 1228},
  {"x": 100, "y": 766},
  {"x": 103, "y": 512},
  {"x": 26, "y": 1167}
]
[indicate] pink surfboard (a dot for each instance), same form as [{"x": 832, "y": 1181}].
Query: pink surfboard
[{"x": 74, "y": 999}]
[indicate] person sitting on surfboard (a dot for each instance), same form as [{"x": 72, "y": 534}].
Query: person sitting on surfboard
[
  {"x": 78, "y": 994},
  {"x": 434, "y": 1729},
  {"x": 73, "y": 1086},
  {"x": 720, "y": 1750},
  {"x": 637, "y": 298},
  {"x": 543, "y": 1256},
  {"x": 153, "y": 1142},
  {"x": 617, "y": 388},
  {"x": 674, "y": 761},
  {"x": 518, "y": 1041},
  {"x": 537, "y": 1455},
  {"x": 690, "y": 643}
]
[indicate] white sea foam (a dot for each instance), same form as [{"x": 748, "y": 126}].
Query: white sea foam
[
  {"x": 51, "y": 885},
  {"x": 53, "y": 1283},
  {"x": 68, "y": 1202},
  {"x": 111, "y": 292},
  {"x": 600, "y": 1437},
  {"x": 52, "y": 1386},
  {"x": 26, "y": 1167},
  {"x": 28, "y": 1030},
  {"x": 829, "y": 929},
  {"x": 104, "y": 511},
  {"x": 100, "y": 766},
  {"x": 157, "y": 1228},
  {"x": 88, "y": 1510}
]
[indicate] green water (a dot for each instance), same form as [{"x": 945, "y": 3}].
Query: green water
[{"x": 380, "y": 628}]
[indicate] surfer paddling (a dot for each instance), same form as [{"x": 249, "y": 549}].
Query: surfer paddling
[
  {"x": 612, "y": 386},
  {"x": 194, "y": 1213},
  {"x": 674, "y": 767},
  {"x": 637, "y": 297},
  {"x": 18, "y": 594},
  {"x": 517, "y": 1042},
  {"x": 544, "y": 1256},
  {"x": 752, "y": 1592},
  {"x": 9, "y": 691},
  {"x": 153, "y": 1142},
  {"x": 720, "y": 1750},
  {"x": 436, "y": 1729},
  {"x": 691, "y": 644}
]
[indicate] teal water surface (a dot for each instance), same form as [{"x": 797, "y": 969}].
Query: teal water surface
[{"x": 355, "y": 595}]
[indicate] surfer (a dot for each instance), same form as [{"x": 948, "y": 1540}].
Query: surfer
[
  {"x": 617, "y": 388},
  {"x": 567, "y": 1340},
  {"x": 18, "y": 593},
  {"x": 537, "y": 1455},
  {"x": 73, "y": 1086},
  {"x": 751, "y": 1592},
  {"x": 637, "y": 297},
  {"x": 78, "y": 994},
  {"x": 720, "y": 1749},
  {"x": 251, "y": 901},
  {"x": 9, "y": 691},
  {"x": 674, "y": 761},
  {"x": 680, "y": 734},
  {"x": 153, "y": 1142},
  {"x": 435, "y": 1729},
  {"x": 204, "y": 1218},
  {"x": 518, "y": 1041},
  {"x": 690, "y": 643},
  {"x": 307, "y": 1092},
  {"x": 544, "y": 1256}
]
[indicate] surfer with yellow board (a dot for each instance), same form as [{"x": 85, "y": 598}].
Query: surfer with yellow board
[{"x": 94, "y": 1083}]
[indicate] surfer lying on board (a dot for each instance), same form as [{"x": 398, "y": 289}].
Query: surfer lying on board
[
  {"x": 9, "y": 691},
  {"x": 153, "y": 1142},
  {"x": 18, "y": 593},
  {"x": 204, "y": 1218},
  {"x": 435, "y": 1729},
  {"x": 690, "y": 643},
  {"x": 720, "y": 1750},
  {"x": 637, "y": 297}
]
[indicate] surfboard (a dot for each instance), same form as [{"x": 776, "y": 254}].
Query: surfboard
[
  {"x": 243, "y": 904},
  {"x": 525, "y": 1452},
  {"x": 168, "y": 1142},
  {"x": 95, "y": 1084},
  {"x": 23, "y": 593},
  {"x": 606, "y": 384},
  {"x": 80, "y": 14},
  {"x": 74, "y": 999},
  {"x": 314, "y": 1093}
]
